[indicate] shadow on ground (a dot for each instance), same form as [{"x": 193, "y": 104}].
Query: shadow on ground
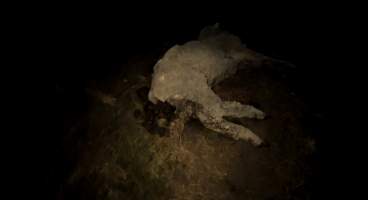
[{"x": 116, "y": 150}]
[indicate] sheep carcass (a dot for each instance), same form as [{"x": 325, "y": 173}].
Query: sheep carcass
[{"x": 186, "y": 73}]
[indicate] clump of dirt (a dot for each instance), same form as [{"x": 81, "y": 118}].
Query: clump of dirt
[{"x": 125, "y": 154}]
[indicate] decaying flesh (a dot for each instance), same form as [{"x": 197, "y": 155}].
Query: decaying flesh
[{"x": 186, "y": 73}]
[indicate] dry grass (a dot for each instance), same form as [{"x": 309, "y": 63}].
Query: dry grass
[{"x": 122, "y": 160}]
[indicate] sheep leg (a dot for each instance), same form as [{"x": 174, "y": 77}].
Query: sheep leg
[
  {"x": 233, "y": 130},
  {"x": 183, "y": 113},
  {"x": 238, "y": 110}
]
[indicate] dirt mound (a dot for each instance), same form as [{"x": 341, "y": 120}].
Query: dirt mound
[{"x": 123, "y": 153}]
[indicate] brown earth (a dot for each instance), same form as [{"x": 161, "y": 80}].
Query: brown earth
[{"x": 119, "y": 152}]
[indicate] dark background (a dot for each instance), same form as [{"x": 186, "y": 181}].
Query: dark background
[{"x": 91, "y": 47}]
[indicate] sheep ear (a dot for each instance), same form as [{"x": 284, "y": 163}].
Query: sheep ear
[
  {"x": 210, "y": 31},
  {"x": 216, "y": 26}
]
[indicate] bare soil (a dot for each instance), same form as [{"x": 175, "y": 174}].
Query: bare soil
[{"x": 118, "y": 151}]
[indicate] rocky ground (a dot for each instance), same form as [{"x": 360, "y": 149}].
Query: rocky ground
[{"x": 117, "y": 149}]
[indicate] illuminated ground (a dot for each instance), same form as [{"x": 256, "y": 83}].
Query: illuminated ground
[{"x": 116, "y": 155}]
